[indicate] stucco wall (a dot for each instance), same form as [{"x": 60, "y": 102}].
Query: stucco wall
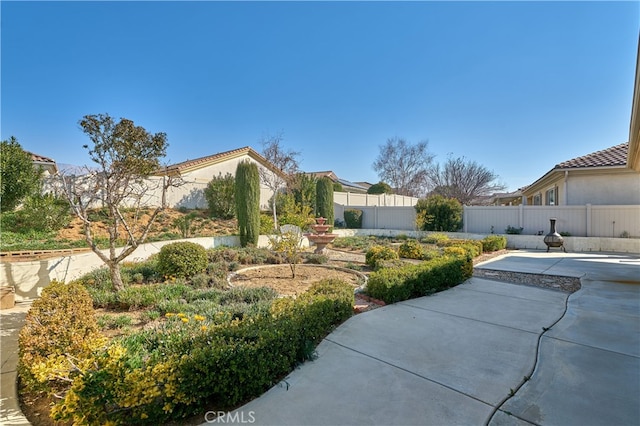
[
  {"x": 191, "y": 195},
  {"x": 615, "y": 189}
]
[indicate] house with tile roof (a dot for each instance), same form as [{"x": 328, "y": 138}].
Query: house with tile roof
[
  {"x": 48, "y": 165},
  {"x": 196, "y": 174},
  {"x": 599, "y": 178},
  {"x": 347, "y": 186}
]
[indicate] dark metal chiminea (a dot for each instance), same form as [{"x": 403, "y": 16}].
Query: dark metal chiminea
[{"x": 553, "y": 239}]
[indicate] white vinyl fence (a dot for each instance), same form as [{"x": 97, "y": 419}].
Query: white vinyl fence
[
  {"x": 353, "y": 199},
  {"x": 579, "y": 221}
]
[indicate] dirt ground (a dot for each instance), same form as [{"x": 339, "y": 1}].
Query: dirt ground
[
  {"x": 280, "y": 277},
  {"x": 201, "y": 225}
]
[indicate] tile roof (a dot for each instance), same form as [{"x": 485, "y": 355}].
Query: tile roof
[
  {"x": 197, "y": 163},
  {"x": 614, "y": 156},
  {"x": 202, "y": 161},
  {"x": 40, "y": 158}
]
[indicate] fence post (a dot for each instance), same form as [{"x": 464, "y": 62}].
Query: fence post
[
  {"x": 464, "y": 219},
  {"x": 375, "y": 217},
  {"x": 589, "y": 224},
  {"x": 521, "y": 216}
]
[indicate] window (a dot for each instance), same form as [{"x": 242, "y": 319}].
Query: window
[
  {"x": 537, "y": 200},
  {"x": 551, "y": 197}
]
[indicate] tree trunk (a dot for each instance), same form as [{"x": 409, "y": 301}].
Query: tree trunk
[
  {"x": 275, "y": 217},
  {"x": 116, "y": 277}
]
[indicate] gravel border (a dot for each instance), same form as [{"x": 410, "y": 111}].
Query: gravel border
[{"x": 553, "y": 282}]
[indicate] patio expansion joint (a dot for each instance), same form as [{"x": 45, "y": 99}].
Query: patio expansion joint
[
  {"x": 409, "y": 372},
  {"x": 558, "y": 339}
]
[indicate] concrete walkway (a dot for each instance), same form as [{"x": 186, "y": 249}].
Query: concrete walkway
[
  {"x": 485, "y": 352},
  {"x": 11, "y": 321}
]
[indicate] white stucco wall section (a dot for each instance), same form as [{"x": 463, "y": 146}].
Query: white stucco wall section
[
  {"x": 614, "y": 189},
  {"x": 191, "y": 194}
]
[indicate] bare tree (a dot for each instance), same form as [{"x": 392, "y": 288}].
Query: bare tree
[
  {"x": 284, "y": 160},
  {"x": 464, "y": 180},
  {"x": 127, "y": 159},
  {"x": 404, "y": 166}
]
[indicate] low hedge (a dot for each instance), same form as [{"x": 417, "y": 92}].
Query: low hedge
[
  {"x": 494, "y": 243},
  {"x": 191, "y": 362},
  {"x": 376, "y": 255},
  {"x": 473, "y": 246},
  {"x": 396, "y": 284},
  {"x": 411, "y": 249}
]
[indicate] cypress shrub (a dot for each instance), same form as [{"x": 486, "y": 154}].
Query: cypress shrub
[
  {"x": 324, "y": 199},
  {"x": 248, "y": 202}
]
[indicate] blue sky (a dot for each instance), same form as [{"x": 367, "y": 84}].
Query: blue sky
[{"x": 516, "y": 86}]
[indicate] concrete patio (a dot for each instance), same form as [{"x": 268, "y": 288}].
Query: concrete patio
[{"x": 485, "y": 352}]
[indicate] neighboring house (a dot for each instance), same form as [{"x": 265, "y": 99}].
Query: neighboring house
[
  {"x": 47, "y": 165},
  {"x": 598, "y": 178},
  {"x": 196, "y": 174},
  {"x": 366, "y": 185},
  {"x": 347, "y": 186},
  {"x": 507, "y": 198}
]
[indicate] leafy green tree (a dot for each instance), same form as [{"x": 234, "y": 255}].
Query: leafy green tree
[
  {"x": 437, "y": 213},
  {"x": 248, "y": 202},
  {"x": 379, "y": 188},
  {"x": 324, "y": 199},
  {"x": 220, "y": 196},
  {"x": 44, "y": 212},
  {"x": 126, "y": 158},
  {"x": 289, "y": 244},
  {"x": 337, "y": 187},
  {"x": 293, "y": 213},
  {"x": 303, "y": 188},
  {"x": 19, "y": 177}
]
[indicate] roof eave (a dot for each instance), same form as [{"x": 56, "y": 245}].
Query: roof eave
[{"x": 633, "y": 157}]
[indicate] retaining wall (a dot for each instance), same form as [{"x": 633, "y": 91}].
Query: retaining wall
[{"x": 29, "y": 278}]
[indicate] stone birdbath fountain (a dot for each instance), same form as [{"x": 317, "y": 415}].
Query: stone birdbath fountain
[{"x": 319, "y": 236}]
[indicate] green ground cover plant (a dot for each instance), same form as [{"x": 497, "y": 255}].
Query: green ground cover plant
[{"x": 199, "y": 345}]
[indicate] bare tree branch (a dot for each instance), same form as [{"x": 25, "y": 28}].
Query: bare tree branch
[
  {"x": 404, "y": 166},
  {"x": 126, "y": 177},
  {"x": 464, "y": 180},
  {"x": 284, "y": 160}
]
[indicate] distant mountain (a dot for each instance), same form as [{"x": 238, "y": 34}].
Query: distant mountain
[{"x": 71, "y": 169}]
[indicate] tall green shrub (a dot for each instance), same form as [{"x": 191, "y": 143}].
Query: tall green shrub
[
  {"x": 219, "y": 194},
  {"x": 353, "y": 218},
  {"x": 248, "y": 202},
  {"x": 18, "y": 176},
  {"x": 324, "y": 199},
  {"x": 437, "y": 213}
]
